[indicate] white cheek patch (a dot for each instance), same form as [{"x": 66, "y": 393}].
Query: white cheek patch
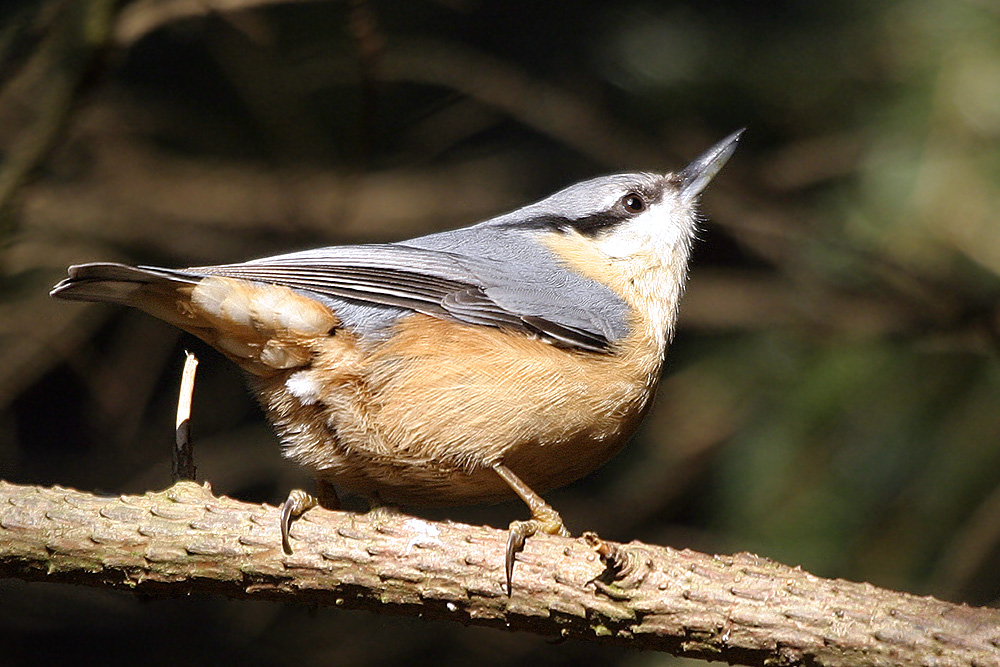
[
  {"x": 625, "y": 241},
  {"x": 659, "y": 230},
  {"x": 303, "y": 386}
]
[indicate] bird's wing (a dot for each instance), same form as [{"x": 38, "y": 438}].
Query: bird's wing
[{"x": 443, "y": 284}]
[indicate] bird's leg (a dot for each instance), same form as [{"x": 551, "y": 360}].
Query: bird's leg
[
  {"x": 543, "y": 518},
  {"x": 299, "y": 502}
]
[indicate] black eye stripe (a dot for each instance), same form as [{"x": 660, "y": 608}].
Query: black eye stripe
[
  {"x": 587, "y": 225},
  {"x": 597, "y": 221},
  {"x": 590, "y": 225}
]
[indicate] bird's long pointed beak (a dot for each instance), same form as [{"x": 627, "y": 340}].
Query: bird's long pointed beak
[{"x": 697, "y": 175}]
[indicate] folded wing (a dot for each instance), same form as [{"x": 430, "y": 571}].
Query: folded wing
[{"x": 434, "y": 282}]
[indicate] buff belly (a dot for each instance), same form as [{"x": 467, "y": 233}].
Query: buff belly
[{"x": 421, "y": 418}]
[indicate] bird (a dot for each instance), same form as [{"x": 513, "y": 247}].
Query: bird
[{"x": 476, "y": 365}]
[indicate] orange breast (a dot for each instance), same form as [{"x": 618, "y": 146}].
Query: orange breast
[{"x": 422, "y": 417}]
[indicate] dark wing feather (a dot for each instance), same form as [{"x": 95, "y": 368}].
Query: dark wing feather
[
  {"x": 473, "y": 306},
  {"x": 567, "y": 335}
]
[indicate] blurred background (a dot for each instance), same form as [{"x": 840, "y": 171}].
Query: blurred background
[{"x": 832, "y": 399}]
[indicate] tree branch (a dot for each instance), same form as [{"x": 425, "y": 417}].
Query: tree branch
[{"x": 742, "y": 609}]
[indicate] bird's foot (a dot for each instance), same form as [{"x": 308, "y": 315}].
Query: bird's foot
[
  {"x": 544, "y": 520},
  {"x": 298, "y": 503}
]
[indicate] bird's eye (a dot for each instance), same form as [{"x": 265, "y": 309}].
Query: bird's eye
[{"x": 633, "y": 203}]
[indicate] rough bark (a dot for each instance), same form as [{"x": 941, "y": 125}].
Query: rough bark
[{"x": 741, "y": 609}]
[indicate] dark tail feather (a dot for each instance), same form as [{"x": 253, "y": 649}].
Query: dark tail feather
[{"x": 118, "y": 283}]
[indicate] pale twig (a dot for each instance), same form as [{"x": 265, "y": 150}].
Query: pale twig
[{"x": 184, "y": 468}]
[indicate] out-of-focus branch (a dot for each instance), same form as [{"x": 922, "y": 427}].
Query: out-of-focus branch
[
  {"x": 549, "y": 109},
  {"x": 538, "y": 104},
  {"x": 140, "y": 18},
  {"x": 45, "y": 87},
  {"x": 741, "y": 609}
]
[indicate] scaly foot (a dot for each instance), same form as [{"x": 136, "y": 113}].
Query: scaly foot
[{"x": 543, "y": 519}]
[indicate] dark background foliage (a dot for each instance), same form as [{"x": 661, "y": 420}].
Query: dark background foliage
[{"x": 832, "y": 398}]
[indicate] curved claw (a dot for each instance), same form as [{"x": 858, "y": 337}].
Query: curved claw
[
  {"x": 516, "y": 538},
  {"x": 520, "y": 531},
  {"x": 297, "y": 504}
]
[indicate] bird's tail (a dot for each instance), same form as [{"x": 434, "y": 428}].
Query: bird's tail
[
  {"x": 115, "y": 283},
  {"x": 153, "y": 290},
  {"x": 264, "y": 328}
]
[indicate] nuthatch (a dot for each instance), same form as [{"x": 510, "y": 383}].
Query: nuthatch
[{"x": 468, "y": 366}]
